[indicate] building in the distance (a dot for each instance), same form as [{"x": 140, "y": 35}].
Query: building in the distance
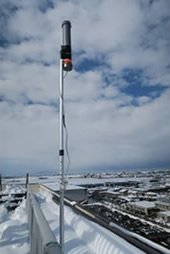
[
  {"x": 162, "y": 205},
  {"x": 142, "y": 207},
  {"x": 165, "y": 216}
]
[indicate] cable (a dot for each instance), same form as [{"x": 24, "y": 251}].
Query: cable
[
  {"x": 66, "y": 145},
  {"x": 65, "y": 75},
  {"x": 66, "y": 131}
]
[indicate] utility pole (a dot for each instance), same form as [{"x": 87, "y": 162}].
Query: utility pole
[{"x": 65, "y": 65}]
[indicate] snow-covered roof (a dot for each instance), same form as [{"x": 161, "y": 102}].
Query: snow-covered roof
[
  {"x": 125, "y": 198},
  {"x": 162, "y": 203},
  {"x": 101, "y": 181},
  {"x": 56, "y": 186},
  {"x": 151, "y": 193},
  {"x": 123, "y": 190},
  {"x": 145, "y": 204},
  {"x": 165, "y": 213},
  {"x": 109, "y": 192}
]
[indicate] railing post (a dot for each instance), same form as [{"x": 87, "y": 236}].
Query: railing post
[
  {"x": 27, "y": 180},
  {"x": 0, "y": 183}
]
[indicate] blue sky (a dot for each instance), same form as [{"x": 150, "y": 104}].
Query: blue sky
[{"x": 116, "y": 97}]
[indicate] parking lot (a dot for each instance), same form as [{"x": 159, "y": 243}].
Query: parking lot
[{"x": 153, "y": 233}]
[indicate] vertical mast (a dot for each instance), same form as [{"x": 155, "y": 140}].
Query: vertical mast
[{"x": 65, "y": 65}]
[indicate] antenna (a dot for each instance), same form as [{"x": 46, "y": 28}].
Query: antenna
[
  {"x": 65, "y": 65},
  {"x": 66, "y": 46}
]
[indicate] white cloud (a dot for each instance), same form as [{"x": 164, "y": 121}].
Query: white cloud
[
  {"x": 120, "y": 136},
  {"x": 100, "y": 134},
  {"x": 143, "y": 100},
  {"x": 105, "y": 127}
]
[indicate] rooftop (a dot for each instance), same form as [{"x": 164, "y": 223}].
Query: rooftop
[
  {"x": 166, "y": 213},
  {"x": 145, "y": 204},
  {"x": 56, "y": 186}
]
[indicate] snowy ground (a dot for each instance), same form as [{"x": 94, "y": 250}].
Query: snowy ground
[
  {"x": 13, "y": 188},
  {"x": 81, "y": 235},
  {"x": 14, "y": 237}
]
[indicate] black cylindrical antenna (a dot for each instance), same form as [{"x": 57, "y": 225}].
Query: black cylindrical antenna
[
  {"x": 66, "y": 45},
  {"x": 66, "y": 26}
]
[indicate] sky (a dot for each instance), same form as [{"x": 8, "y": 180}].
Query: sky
[{"x": 116, "y": 97}]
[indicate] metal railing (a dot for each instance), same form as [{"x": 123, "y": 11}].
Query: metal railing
[{"x": 42, "y": 239}]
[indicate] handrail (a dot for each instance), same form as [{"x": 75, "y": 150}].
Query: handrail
[{"x": 43, "y": 240}]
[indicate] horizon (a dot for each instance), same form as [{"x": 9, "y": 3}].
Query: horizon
[{"x": 87, "y": 172}]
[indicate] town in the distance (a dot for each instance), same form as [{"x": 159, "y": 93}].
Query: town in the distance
[{"x": 137, "y": 202}]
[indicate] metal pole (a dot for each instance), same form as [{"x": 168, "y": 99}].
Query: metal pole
[
  {"x": 61, "y": 154},
  {"x": 65, "y": 65}
]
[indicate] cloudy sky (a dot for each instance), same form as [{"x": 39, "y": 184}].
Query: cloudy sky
[{"x": 116, "y": 98}]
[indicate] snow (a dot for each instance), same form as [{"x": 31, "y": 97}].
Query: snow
[
  {"x": 84, "y": 181},
  {"x": 32, "y": 179},
  {"x": 165, "y": 213},
  {"x": 162, "y": 203},
  {"x": 56, "y": 186},
  {"x": 82, "y": 235},
  {"x": 143, "y": 239},
  {"x": 145, "y": 204},
  {"x": 71, "y": 180},
  {"x": 107, "y": 204},
  {"x": 10, "y": 189},
  {"x": 14, "y": 237},
  {"x": 3, "y": 214}
]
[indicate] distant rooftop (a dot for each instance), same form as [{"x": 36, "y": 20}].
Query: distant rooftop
[
  {"x": 56, "y": 186},
  {"x": 166, "y": 213},
  {"x": 145, "y": 204}
]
